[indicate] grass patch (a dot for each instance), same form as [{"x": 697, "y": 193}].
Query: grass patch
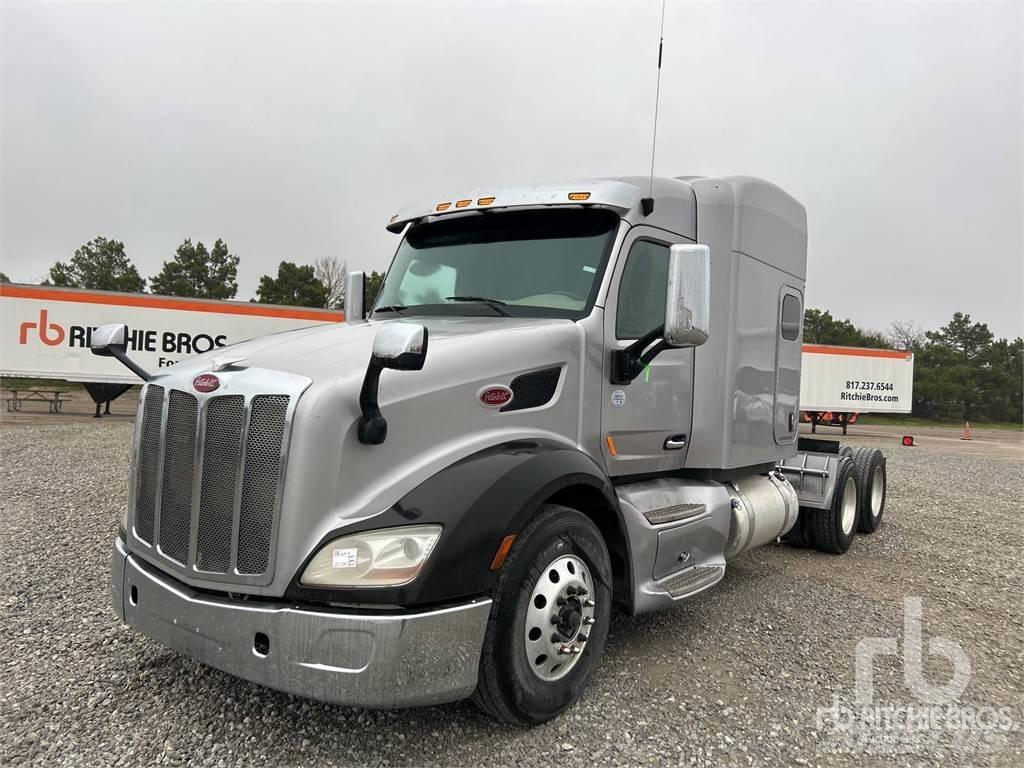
[
  {"x": 901, "y": 420},
  {"x": 19, "y": 382}
]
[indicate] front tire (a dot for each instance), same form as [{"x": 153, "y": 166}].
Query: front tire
[{"x": 549, "y": 619}]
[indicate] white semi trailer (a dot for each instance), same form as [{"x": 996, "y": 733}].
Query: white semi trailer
[
  {"x": 567, "y": 398},
  {"x": 46, "y": 331},
  {"x": 837, "y": 383}
]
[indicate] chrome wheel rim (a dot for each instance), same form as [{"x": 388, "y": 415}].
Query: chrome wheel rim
[
  {"x": 849, "y": 505},
  {"x": 559, "y": 618},
  {"x": 877, "y": 491}
]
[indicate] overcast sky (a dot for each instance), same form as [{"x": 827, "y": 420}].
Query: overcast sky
[{"x": 294, "y": 131}]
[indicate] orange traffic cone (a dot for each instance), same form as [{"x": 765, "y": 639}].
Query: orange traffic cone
[{"x": 967, "y": 431}]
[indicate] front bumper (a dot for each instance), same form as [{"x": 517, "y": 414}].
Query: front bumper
[{"x": 344, "y": 658}]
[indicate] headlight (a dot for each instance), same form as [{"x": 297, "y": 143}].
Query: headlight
[{"x": 385, "y": 558}]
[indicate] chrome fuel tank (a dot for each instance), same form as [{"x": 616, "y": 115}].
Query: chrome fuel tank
[{"x": 764, "y": 507}]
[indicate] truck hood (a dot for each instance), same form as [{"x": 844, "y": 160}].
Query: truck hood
[{"x": 339, "y": 351}]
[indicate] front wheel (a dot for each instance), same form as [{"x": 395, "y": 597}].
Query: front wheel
[{"x": 549, "y": 619}]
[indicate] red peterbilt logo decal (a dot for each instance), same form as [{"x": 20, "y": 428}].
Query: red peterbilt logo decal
[
  {"x": 495, "y": 397},
  {"x": 205, "y": 382}
]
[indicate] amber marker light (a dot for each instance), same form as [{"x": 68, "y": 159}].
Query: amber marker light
[
  {"x": 578, "y": 196},
  {"x": 463, "y": 203},
  {"x": 502, "y": 553},
  {"x": 443, "y": 206},
  {"x": 611, "y": 445},
  {"x": 485, "y": 201}
]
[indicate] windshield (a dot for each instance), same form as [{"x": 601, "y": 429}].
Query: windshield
[{"x": 540, "y": 263}]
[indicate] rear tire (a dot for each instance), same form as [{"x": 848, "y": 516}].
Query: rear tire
[
  {"x": 802, "y": 532},
  {"x": 869, "y": 468},
  {"x": 536, "y": 611},
  {"x": 833, "y": 528}
]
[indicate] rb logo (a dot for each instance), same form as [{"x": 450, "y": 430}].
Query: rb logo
[{"x": 45, "y": 329}]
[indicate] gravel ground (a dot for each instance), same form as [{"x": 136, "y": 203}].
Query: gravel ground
[{"x": 734, "y": 677}]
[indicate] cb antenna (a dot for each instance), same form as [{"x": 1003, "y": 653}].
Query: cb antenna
[{"x": 647, "y": 203}]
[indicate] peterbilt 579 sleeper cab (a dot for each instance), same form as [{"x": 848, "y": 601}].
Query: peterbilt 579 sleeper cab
[{"x": 567, "y": 397}]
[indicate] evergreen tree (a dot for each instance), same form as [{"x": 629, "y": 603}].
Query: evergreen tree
[
  {"x": 100, "y": 264},
  {"x": 294, "y": 285},
  {"x": 199, "y": 273}
]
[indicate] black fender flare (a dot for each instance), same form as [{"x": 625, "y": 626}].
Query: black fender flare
[{"x": 479, "y": 500}]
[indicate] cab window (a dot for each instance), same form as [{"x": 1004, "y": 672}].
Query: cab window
[{"x": 642, "y": 290}]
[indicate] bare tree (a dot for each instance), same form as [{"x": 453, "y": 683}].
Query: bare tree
[
  {"x": 331, "y": 271},
  {"x": 903, "y": 334}
]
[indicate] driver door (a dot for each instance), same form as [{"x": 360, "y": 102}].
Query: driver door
[{"x": 646, "y": 423}]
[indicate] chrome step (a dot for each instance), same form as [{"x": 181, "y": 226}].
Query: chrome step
[
  {"x": 692, "y": 580},
  {"x": 675, "y": 513}
]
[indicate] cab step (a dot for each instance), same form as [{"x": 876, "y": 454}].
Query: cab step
[
  {"x": 675, "y": 513},
  {"x": 692, "y": 580}
]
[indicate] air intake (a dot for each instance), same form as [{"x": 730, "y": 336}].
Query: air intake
[{"x": 532, "y": 390}]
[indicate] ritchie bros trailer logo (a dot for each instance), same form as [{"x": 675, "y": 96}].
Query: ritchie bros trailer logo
[{"x": 139, "y": 340}]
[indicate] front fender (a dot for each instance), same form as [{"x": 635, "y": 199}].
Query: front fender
[{"x": 479, "y": 500}]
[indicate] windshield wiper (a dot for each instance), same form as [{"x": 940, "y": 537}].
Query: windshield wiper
[
  {"x": 495, "y": 304},
  {"x": 397, "y": 308}
]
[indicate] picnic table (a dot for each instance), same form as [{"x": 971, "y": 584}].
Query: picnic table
[{"x": 54, "y": 398}]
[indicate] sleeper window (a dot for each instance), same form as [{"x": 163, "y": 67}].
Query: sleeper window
[{"x": 790, "y": 317}]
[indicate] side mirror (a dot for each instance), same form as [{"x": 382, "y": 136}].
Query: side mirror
[
  {"x": 401, "y": 347},
  {"x": 355, "y": 293},
  {"x": 688, "y": 296},
  {"x": 106, "y": 338},
  {"x": 112, "y": 341}
]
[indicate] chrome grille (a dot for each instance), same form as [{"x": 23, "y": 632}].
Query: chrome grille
[
  {"x": 148, "y": 463},
  {"x": 259, "y": 487},
  {"x": 222, "y": 453},
  {"x": 207, "y": 481},
  {"x": 175, "y": 523}
]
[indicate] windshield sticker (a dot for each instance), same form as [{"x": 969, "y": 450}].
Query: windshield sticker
[
  {"x": 588, "y": 268},
  {"x": 618, "y": 398}
]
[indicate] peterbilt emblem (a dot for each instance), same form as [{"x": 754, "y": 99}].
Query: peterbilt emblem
[
  {"x": 495, "y": 397},
  {"x": 205, "y": 382}
]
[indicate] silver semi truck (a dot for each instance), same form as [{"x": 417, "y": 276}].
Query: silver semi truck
[{"x": 567, "y": 398}]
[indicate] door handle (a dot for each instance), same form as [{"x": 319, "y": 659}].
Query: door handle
[{"x": 675, "y": 442}]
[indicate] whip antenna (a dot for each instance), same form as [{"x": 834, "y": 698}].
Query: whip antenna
[{"x": 647, "y": 203}]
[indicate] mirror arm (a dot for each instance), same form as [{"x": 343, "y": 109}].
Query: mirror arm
[
  {"x": 131, "y": 365},
  {"x": 373, "y": 427},
  {"x": 630, "y": 362}
]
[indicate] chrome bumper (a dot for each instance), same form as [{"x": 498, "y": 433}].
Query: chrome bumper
[{"x": 343, "y": 658}]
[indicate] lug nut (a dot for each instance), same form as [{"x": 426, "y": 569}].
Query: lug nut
[
  {"x": 588, "y": 620},
  {"x": 570, "y": 591},
  {"x": 582, "y": 638},
  {"x": 560, "y": 601},
  {"x": 589, "y": 603},
  {"x": 556, "y": 638},
  {"x": 581, "y": 591},
  {"x": 554, "y": 620},
  {"x": 574, "y": 649}
]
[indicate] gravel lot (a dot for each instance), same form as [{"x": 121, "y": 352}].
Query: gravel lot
[{"x": 734, "y": 677}]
